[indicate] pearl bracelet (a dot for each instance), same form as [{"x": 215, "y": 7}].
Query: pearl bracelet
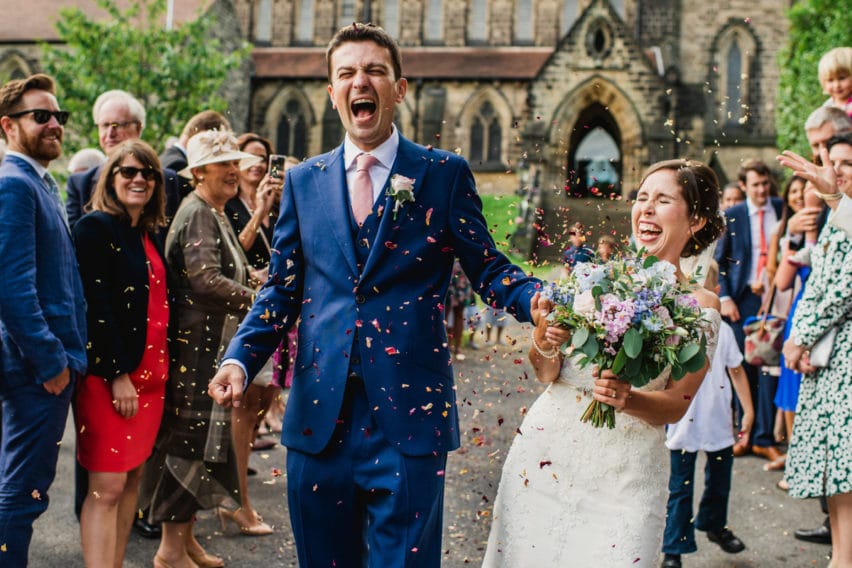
[
  {"x": 552, "y": 354},
  {"x": 828, "y": 196}
]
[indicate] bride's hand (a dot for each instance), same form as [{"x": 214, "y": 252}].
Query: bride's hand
[
  {"x": 547, "y": 336},
  {"x": 610, "y": 390}
]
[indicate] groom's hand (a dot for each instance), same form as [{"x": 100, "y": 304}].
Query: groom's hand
[{"x": 226, "y": 388}]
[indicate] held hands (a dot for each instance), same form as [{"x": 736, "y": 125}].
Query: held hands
[
  {"x": 610, "y": 390},
  {"x": 58, "y": 383},
  {"x": 125, "y": 399},
  {"x": 226, "y": 388}
]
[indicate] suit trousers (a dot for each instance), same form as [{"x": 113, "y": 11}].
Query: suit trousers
[
  {"x": 762, "y": 385},
  {"x": 362, "y": 503},
  {"x": 679, "y": 537},
  {"x": 33, "y": 424}
]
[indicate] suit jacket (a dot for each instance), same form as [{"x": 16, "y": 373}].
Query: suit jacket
[
  {"x": 82, "y": 184},
  {"x": 390, "y": 314},
  {"x": 174, "y": 158},
  {"x": 42, "y": 311},
  {"x": 734, "y": 251},
  {"x": 114, "y": 270}
]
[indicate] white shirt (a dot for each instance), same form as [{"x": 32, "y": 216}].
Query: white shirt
[
  {"x": 770, "y": 220},
  {"x": 708, "y": 424},
  {"x": 841, "y": 217},
  {"x": 385, "y": 153}
]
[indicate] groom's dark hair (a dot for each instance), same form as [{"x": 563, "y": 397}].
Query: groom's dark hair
[{"x": 365, "y": 32}]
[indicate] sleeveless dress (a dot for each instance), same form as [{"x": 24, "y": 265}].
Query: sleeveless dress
[
  {"x": 574, "y": 495},
  {"x": 106, "y": 441}
]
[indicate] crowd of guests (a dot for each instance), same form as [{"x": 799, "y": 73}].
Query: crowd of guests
[
  {"x": 153, "y": 270},
  {"x": 134, "y": 287}
]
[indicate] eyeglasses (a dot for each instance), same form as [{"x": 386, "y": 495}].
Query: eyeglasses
[
  {"x": 42, "y": 116},
  {"x": 129, "y": 172},
  {"x": 116, "y": 125}
]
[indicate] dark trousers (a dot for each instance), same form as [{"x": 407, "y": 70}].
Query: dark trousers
[
  {"x": 360, "y": 502},
  {"x": 762, "y": 385},
  {"x": 33, "y": 423},
  {"x": 679, "y": 537}
]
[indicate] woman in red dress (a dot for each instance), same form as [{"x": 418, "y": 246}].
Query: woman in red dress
[{"x": 119, "y": 404}]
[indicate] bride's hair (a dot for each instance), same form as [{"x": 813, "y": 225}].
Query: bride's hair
[{"x": 701, "y": 192}]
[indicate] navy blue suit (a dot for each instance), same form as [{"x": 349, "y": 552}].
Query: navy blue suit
[
  {"x": 82, "y": 184},
  {"x": 43, "y": 332},
  {"x": 372, "y": 411},
  {"x": 734, "y": 256}
]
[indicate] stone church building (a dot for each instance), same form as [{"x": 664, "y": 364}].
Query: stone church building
[{"x": 578, "y": 96}]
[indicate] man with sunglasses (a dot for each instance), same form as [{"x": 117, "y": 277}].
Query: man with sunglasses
[
  {"x": 119, "y": 116},
  {"x": 42, "y": 311}
]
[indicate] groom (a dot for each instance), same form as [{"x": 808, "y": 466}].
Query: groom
[{"x": 372, "y": 411}]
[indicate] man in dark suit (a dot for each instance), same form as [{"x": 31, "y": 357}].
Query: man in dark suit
[
  {"x": 742, "y": 255},
  {"x": 119, "y": 117},
  {"x": 174, "y": 157},
  {"x": 42, "y": 311},
  {"x": 364, "y": 253}
]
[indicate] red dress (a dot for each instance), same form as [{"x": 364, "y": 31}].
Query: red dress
[{"x": 106, "y": 441}]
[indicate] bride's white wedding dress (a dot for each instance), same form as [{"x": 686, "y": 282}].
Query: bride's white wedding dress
[{"x": 572, "y": 495}]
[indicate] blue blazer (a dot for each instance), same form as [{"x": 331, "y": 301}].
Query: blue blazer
[
  {"x": 82, "y": 184},
  {"x": 394, "y": 306},
  {"x": 733, "y": 254},
  {"x": 42, "y": 310}
]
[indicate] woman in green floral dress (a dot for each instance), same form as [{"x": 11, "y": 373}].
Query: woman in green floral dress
[{"x": 819, "y": 461}]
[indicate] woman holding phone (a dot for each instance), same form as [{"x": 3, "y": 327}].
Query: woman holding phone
[{"x": 252, "y": 214}]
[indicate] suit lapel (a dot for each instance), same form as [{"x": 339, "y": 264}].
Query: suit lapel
[
  {"x": 412, "y": 163},
  {"x": 330, "y": 181}
]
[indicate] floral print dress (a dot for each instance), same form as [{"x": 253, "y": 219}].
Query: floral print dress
[{"x": 819, "y": 461}]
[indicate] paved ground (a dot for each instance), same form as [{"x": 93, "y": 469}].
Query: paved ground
[{"x": 495, "y": 385}]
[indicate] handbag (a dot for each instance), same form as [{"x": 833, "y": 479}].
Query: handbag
[
  {"x": 764, "y": 336},
  {"x": 822, "y": 349}
]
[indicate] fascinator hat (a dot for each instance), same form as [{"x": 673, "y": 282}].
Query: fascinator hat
[{"x": 214, "y": 146}]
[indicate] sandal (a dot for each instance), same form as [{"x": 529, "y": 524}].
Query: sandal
[
  {"x": 782, "y": 485},
  {"x": 776, "y": 465}
]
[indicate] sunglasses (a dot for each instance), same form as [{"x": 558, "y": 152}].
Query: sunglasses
[
  {"x": 129, "y": 172},
  {"x": 42, "y": 116}
]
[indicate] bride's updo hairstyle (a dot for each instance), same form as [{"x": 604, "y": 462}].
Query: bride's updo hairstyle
[{"x": 701, "y": 192}]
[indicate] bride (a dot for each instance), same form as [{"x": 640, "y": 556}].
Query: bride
[{"x": 574, "y": 495}]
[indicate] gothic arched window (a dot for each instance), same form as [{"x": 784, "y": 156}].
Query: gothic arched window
[
  {"x": 524, "y": 22},
  {"x": 305, "y": 27},
  {"x": 486, "y": 136},
  {"x": 434, "y": 22},
  {"x": 477, "y": 27},
  {"x": 391, "y": 17},
  {"x": 734, "y": 75},
  {"x": 570, "y": 12},
  {"x": 292, "y": 132}
]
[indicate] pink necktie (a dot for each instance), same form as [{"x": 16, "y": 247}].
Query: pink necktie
[
  {"x": 362, "y": 188},
  {"x": 764, "y": 252}
]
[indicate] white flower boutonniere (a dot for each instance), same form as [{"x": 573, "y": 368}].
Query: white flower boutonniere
[{"x": 401, "y": 190}]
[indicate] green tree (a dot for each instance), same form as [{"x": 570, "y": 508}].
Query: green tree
[
  {"x": 175, "y": 73},
  {"x": 816, "y": 26}
]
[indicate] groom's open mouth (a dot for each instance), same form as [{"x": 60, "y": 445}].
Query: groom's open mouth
[{"x": 363, "y": 108}]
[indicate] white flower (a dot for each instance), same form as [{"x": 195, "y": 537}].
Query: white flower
[
  {"x": 584, "y": 303},
  {"x": 401, "y": 190}
]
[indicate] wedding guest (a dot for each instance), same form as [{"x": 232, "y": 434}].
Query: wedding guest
[
  {"x": 732, "y": 194},
  {"x": 193, "y": 466},
  {"x": 42, "y": 311},
  {"x": 495, "y": 319},
  {"x": 742, "y": 255},
  {"x": 364, "y": 246},
  {"x": 174, "y": 156},
  {"x": 459, "y": 298},
  {"x": 85, "y": 159},
  {"x": 119, "y": 403},
  {"x": 820, "y": 451},
  {"x": 706, "y": 427},
  {"x": 606, "y": 248},
  {"x": 567, "y": 491},
  {"x": 252, "y": 217},
  {"x": 835, "y": 77},
  {"x": 578, "y": 251}
]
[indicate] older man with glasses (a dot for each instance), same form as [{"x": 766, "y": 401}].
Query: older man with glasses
[{"x": 119, "y": 117}]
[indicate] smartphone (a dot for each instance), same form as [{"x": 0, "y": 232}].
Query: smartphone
[{"x": 276, "y": 165}]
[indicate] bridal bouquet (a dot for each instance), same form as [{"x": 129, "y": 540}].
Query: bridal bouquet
[{"x": 629, "y": 315}]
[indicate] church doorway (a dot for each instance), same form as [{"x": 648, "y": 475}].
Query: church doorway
[{"x": 594, "y": 157}]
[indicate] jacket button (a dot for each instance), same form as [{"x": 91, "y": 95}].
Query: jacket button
[{"x": 360, "y": 299}]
